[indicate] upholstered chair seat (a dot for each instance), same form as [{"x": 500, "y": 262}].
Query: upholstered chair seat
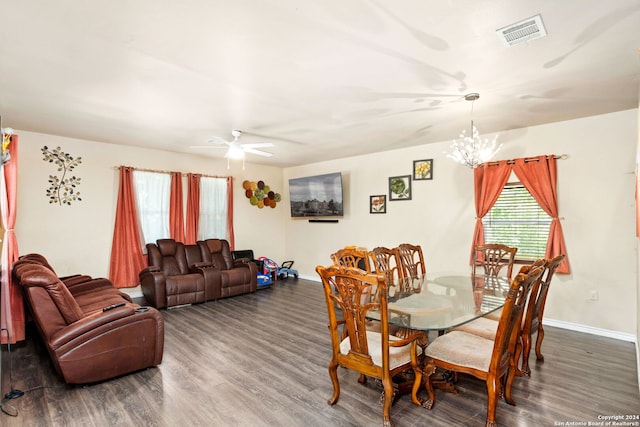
[{"x": 397, "y": 355}]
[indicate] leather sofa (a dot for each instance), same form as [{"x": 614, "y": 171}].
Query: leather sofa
[
  {"x": 93, "y": 332},
  {"x": 179, "y": 274}
]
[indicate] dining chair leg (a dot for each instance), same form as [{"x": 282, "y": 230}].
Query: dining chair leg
[
  {"x": 510, "y": 376},
  {"x": 526, "y": 351},
  {"x": 333, "y": 373},
  {"x": 493, "y": 392},
  {"x": 539, "y": 339},
  {"x": 417, "y": 382},
  {"x": 522, "y": 349},
  {"x": 388, "y": 400}
]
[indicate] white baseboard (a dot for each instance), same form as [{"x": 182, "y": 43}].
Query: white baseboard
[{"x": 591, "y": 330}]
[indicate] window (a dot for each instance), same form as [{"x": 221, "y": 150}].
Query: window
[
  {"x": 213, "y": 208},
  {"x": 152, "y": 192},
  {"x": 517, "y": 220}
]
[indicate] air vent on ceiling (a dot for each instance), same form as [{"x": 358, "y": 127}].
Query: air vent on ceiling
[{"x": 523, "y": 31}]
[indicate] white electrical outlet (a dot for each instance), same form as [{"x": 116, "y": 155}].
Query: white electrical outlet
[{"x": 593, "y": 295}]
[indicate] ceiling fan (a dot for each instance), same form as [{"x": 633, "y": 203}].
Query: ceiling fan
[{"x": 236, "y": 150}]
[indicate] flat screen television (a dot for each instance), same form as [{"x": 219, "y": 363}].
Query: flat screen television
[{"x": 316, "y": 196}]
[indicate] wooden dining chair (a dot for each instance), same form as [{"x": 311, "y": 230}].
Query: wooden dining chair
[
  {"x": 412, "y": 260},
  {"x": 535, "y": 311},
  {"x": 491, "y": 361},
  {"x": 372, "y": 354},
  {"x": 387, "y": 261},
  {"x": 493, "y": 258},
  {"x": 352, "y": 257},
  {"x": 487, "y": 326}
]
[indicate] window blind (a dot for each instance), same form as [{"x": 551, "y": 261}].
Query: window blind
[{"x": 517, "y": 220}]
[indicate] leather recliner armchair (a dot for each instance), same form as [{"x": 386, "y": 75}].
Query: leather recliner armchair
[
  {"x": 168, "y": 281},
  {"x": 238, "y": 276}
]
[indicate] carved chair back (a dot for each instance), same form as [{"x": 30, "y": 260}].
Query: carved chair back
[{"x": 492, "y": 258}]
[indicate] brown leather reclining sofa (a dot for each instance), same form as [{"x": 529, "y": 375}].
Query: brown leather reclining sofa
[
  {"x": 92, "y": 331},
  {"x": 179, "y": 274}
]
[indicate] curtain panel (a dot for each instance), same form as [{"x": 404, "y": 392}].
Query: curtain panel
[
  {"x": 539, "y": 176},
  {"x": 176, "y": 216},
  {"x": 127, "y": 259},
  {"x": 193, "y": 208},
  {"x": 488, "y": 184},
  {"x": 230, "y": 231},
  {"x": 12, "y": 316}
]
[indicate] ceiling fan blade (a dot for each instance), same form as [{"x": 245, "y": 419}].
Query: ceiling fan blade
[
  {"x": 207, "y": 146},
  {"x": 258, "y": 152},
  {"x": 218, "y": 140},
  {"x": 258, "y": 145}
]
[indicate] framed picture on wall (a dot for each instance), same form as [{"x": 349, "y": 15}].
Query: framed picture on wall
[
  {"x": 422, "y": 169},
  {"x": 378, "y": 204},
  {"x": 400, "y": 187}
]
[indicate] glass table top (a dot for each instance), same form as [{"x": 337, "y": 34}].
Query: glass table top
[{"x": 443, "y": 301}]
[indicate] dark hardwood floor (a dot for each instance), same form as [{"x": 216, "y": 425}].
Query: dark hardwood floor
[{"x": 261, "y": 360}]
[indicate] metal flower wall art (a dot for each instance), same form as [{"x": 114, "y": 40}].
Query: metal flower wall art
[{"x": 62, "y": 189}]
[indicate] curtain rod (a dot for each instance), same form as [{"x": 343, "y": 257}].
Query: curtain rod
[
  {"x": 163, "y": 171},
  {"x": 529, "y": 159}
]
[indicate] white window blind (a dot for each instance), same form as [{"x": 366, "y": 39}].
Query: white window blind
[{"x": 517, "y": 220}]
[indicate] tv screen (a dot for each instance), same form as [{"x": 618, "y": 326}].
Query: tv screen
[{"x": 316, "y": 196}]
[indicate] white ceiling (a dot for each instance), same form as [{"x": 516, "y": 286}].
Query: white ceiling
[{"x": 320, "y": 79}]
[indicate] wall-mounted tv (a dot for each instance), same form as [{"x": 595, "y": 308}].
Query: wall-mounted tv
[{"x": 316, "y": 196}]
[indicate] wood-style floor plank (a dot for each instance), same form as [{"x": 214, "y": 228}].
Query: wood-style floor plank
[{"x": 261, "y": 360}]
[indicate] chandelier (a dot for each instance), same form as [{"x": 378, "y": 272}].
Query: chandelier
[{"x": 471, "y": 150}]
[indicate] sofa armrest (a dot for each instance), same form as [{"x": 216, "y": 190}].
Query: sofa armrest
[
  {"x": 153, "y": 284},
  {"x": 241, "y": 262},
  {"x": 75, "y": 279},
  {"x": 150, "y": 269},
  {"x": 89, "y": 323},
  {"x": 88, "y": 285}
]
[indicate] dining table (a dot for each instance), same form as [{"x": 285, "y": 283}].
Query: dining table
[{"x": 440, "y": 302}]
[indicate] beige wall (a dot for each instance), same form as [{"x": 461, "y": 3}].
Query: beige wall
[
  {"x": 596, "y": 193},
  {"x": 77, "y": 238},
  {"x": 596, "y": 197}
]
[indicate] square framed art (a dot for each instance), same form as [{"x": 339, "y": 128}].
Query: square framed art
[
  {"x": 400, "y": 187},
  {"x": 422, "y": 169},
  {"x": 378, "y": 204}
]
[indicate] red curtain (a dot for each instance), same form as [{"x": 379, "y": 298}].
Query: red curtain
[
  {"x": 193, "y": 208},
  {"x": 126, "y": 256},
  {"x": 176, "y": 217},
  {"x": 540, "y": 178},
  {"x": 488, "y": 184},
  {"x": 12, "y": 319},
  {"x": 230, "y": 212}
]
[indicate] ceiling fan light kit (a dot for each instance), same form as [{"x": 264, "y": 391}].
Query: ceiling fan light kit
[{"x": 236, "y": 150}]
